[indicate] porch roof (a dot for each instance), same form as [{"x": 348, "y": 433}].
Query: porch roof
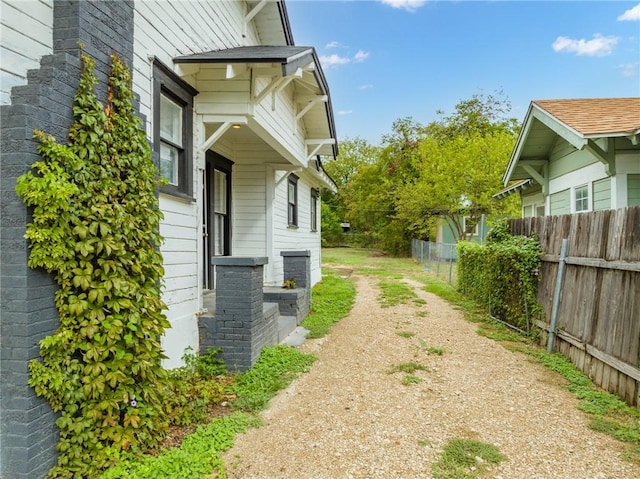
[{"x": 296, "y": 62}]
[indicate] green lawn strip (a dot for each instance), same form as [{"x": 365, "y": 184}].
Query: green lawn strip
[
  {"x": 199, "y": 456},
  {"x": 331, "y": 300},
  {"x": 274, "y": 370},
  {"x": 466, "y": 459},
  {"x": 609, "y": 413}
]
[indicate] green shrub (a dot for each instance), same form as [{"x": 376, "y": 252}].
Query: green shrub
[{"x": 502, "y": 275}]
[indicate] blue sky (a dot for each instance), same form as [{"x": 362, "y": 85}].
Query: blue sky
[{"x": 392, "y": 59}]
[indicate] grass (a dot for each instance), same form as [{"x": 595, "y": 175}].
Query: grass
[
  {"x": 408, "y": 368},
  {"x": 430, "y": 349},
  {"x": 410, "y": 379},
  {"x": 406, "y": 334},
  {"x": 394, "y": 293},
  {"x": 332, "y": 299},
  {"x": 466, "y": 459}
]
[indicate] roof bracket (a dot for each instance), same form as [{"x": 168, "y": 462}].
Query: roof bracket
[
  {"x": 607, "y": 158},
  {"x": 226, "y": 123},
  {"x": 252, "y": 13},
  {"x": 311, "y": 104},
  {"x": 538, "y": 178},
  {"x": 318, "y": 144}
]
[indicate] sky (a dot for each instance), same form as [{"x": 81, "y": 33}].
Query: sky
[{"x": 391, "y": 59}]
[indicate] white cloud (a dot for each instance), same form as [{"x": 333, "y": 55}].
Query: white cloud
[
  {"x": 332, "y": 44},
  {"x": 360, "y": 56},
  {"x": 345, "y": 112},
  {"x": 629, "y": 70},
  {"x": 633, "y": 14},
  {"x": 365, "y": 87},
  {"x": 408, "y": 5},
  {"x": 333, "y": 60},
  {"x": 599, "y": 46}
]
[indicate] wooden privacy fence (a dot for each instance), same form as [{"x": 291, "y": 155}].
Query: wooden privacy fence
[{"x": 598, "y": 313}]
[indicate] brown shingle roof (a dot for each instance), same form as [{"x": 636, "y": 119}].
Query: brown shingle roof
[{"x": 592, "y": 116}]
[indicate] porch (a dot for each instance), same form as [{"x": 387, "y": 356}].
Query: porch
[{"x": 243, "y": 315}]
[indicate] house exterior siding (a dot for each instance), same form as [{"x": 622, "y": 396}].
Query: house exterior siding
[
  {"x": 633, "y": 190},
  {"x": 27, "y": 35},
  {"x": 602, "y": 194},
  {"x": 559, "y": 203},
  {"x": 44, "y": 71}
]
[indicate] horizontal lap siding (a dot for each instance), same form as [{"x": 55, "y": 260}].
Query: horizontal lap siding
[
  {"x": 633, "y": 190},
  {"x": 602, "y": 194},
  {"x": 23, "y": 47},
  {"x": 560, "y": 203},
  {"x": 164, "y": 30},
  {"x": 293, "y": 239}
]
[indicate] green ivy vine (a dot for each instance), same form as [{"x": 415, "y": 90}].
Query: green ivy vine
[
  {"x": 503, "y": 275},
  {"x": 96, "y": 229}
]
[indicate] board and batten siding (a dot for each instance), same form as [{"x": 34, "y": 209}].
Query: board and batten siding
[
  {"x": 164, "y": 30},
  {"x": 23, "y": 46},
  {"x": 602, "y": 194}
]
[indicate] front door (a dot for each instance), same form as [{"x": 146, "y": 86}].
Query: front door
[{"x": 217, "y": 213}]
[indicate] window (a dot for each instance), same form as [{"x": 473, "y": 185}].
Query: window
[
  {"x": 173, "y": 130},
  {"x": 582, "y": 198},
  {"x": 315, "y": 194},
  {"x": 292, "y": 200},
  {"x": 469, "y": 226}
]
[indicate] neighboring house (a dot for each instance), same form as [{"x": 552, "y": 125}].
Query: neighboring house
[
  {"x": 238, "y": 117},
  {"x": 576, "y": 155},
  {"x": 447, "y": 232}
]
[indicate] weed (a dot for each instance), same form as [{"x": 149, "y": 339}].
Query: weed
[
  {"x": 406, "y": 334},
  {"x": 424, "y": 443},
  {"x": 419, "y": 302},
  {"x": 410, "y": 379},
  {"x": 408, "y": 368},
  {"x": 394, "y": 293},
  {"x": 465, "y": 459}
]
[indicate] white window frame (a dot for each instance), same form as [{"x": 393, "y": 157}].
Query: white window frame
[
  {"x": 574, "y": 198},
  {"x": 464, "y": 227}
]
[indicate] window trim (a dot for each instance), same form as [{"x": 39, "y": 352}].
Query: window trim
[
  {"x": 313, "y": 210},
  {"x": 292, "y": 208},
  {"x": 574, "y": 198},
  {"x": 167, "y": 83},
  {"x": 476, "y": 229}
]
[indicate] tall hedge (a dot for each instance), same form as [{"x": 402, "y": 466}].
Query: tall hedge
[
  {"x": 502, "y": 275},
  {"x": 96, "y": 229}
]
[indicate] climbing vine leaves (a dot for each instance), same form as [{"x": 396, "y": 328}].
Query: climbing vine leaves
[{"x": 96, "y": 229}]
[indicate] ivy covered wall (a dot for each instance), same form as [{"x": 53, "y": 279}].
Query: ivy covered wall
[{"x": 27, "y": 311}]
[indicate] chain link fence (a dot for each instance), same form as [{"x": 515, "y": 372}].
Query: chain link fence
[{"x": 440, "y": 259}]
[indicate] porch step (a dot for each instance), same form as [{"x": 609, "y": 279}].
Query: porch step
[
  {"x": 286, "y": 325},
  {"x": 296, "y": 337}
]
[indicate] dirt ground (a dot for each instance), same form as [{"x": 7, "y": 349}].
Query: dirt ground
[{"x": 350, "y": 418}]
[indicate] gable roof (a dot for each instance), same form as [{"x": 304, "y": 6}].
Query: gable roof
[
  {"x": 578, "y": 121},
  {"x": 596, "y": 116}
]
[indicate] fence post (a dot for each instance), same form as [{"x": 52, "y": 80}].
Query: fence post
[
  {"x": 451, "y": 262},
  {"x": 556, "y": 295}
]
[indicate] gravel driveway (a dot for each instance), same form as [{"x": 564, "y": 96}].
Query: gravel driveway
[{"x": 350, "y": 418}]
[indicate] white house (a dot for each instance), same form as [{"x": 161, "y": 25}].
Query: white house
[{"x": 576, "y": 155}]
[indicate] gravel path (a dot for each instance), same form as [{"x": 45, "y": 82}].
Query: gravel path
[{"x": 349, "y": 418}]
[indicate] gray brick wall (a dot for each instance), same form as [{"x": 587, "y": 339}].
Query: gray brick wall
[
  {"x": 240, "y": 326},
  {"x": 27, "y": 313}
]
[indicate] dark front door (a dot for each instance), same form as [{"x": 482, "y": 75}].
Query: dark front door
[{"x": 217, "y": 213}]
